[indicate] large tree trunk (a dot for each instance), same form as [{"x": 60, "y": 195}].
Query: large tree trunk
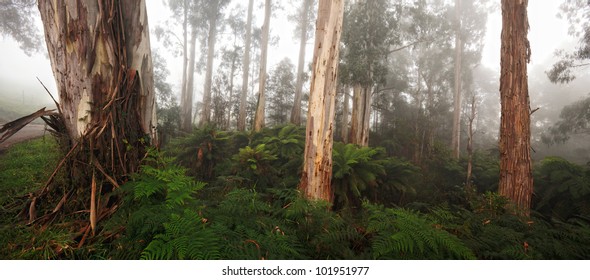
[
  {"x": 101, "y": 59},
  {"x": 456, "y": 138},
  {"x": 516, "y": 180},
  {"x": 186, "y": 114},
  {"x": 246, "y": 69},
  {"x": 259, "y": 116},
  {"x": 211, "y": 38},
  {"x": 296, "y": 111},
  {"x": 317, "y": 166}
]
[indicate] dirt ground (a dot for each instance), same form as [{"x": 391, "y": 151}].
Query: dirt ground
[{"x": 28, "y": 132}]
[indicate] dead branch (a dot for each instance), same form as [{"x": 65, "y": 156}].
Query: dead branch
[{"x": 11, "y": 128}]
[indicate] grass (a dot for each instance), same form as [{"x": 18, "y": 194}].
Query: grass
[{"x": 24, "y": 168}]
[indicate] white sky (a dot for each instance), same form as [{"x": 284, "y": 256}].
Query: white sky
[{"x": 547, "y": 33}]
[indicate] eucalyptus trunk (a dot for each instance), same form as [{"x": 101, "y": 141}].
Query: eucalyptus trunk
[
  {"x": 456, "y": 138},
  {"x": 101, "y": 59},
  {"x": 211, "y": 38},
  {"x": 296, "y": 111},
  {"x": 187, "y": 98},
  {"x": 246, "y": 69},
  {"x": 260, "y": 115},
  {"x": 316, "y": 177},
  {"x": 516, "y": 180}
]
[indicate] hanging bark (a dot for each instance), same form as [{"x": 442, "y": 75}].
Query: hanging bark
[
  {"x": 456, "y": 137},
  {"x": 260, "y": 115},
  {"x": 296, "y": 111},
  {"x": 516, "y": 180},
  {"x": 101, "y": 59},
  {"x": 246, "y": 69},
  {"x": 316, "y": 177},
  {"x": 187, "y": 99}
]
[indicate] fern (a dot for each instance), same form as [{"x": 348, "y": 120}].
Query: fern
[{"x": 404, "y": 234}]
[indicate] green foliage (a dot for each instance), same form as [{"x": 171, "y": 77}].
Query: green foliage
[
  {"x": 154, "y": 199},
  {"x": 201, "y": 151},
  {"x": 355, "y": 170},
  {"x": 405, "y": 234},
  {"x": 256, "y": 165},
  {"x": 562, "y": 189},
  {"x": 400, "y": 182}
]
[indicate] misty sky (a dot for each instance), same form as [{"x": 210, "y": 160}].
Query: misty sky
[{"x": 18, "y": 71}]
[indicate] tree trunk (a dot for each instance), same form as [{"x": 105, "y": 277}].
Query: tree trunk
[
  {"x": 296, "y": 111},
  {"x": 345, "y": 115},
  {"x": 183, "y": 117},
  {"x": 101, "y": 59},
  {"x": 212, "y": 35},
  {"x": 246, "y": 69},
  {"x": 259, "y": 116},
  {"x": 516, "y": 180},
  {"x": 361, "y": 115},
  {"x": 470, "y": 133},
  {"x": 187, "y": 100},
  {"x": 456, "y": 138},
  {"x": 317, "y": 166}
]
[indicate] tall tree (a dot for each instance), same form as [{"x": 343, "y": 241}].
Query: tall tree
[
  {"x": 516, "y": 178},
  {"x": 578, "y": 14},
  {"x": 280, "y": 92},
  {"x": 101, "y": 59},
  {"x": 259, "y": 116},
  {"x": 368, "y": 35},
  {"x": 213, "y": 10},
  {"x": 303, "y": 26},
  {"x": 317, "y": 160},
  {"x": 456, "y": 137},
  {"x": 245, "y": 69},
  {"x": 17, "y": 21}
]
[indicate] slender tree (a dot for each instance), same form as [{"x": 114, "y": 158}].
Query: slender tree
[
  {"x": 516, "y": 179},
  {"x": 316, "y": 177},
  {"x": 303, "y": 25},
  {"x": 213, "y": 9},
  {"x": 245, "y": 69},
  {"x": 456, "y": 137},
  {"x": 259, "y": 116}
]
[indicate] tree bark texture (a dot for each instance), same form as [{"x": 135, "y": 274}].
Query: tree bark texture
[
  {"x": 456, "y": 138},
  {"x": 101, "y": 59},
  {"x": 516, "y": 180},
  {"x": 296, "y": 111},
  {"x": 246, "y": 69},
  {"x": 316, "y": 177},
  {"x": 260, "y": 115}
]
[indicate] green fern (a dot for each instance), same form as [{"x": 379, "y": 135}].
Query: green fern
[{"x": 404, "y": 234}]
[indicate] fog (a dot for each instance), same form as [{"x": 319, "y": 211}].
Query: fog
[{"x": 20, "y": 91}]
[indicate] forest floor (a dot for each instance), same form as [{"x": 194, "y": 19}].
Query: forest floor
[{"x": 28, "y": 132}]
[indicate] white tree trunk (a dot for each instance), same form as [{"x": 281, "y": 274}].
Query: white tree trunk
[{"x": 316, "y": 177}]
